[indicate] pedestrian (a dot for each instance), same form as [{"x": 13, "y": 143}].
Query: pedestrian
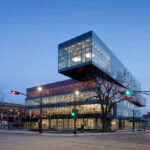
[
  {"x": 110, "y": 128},
  {"x": 82, "y": 127}
]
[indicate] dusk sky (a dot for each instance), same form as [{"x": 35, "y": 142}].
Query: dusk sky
[{"x": 30, "y": 31}]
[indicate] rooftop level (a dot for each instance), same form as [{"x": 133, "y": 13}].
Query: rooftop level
[{"x": 85, "y": 53}]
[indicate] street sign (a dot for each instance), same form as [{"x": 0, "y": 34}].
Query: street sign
[{"x": 38, "y": 101}]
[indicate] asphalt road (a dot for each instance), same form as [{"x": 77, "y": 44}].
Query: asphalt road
[{"x": 114, "y": 141}]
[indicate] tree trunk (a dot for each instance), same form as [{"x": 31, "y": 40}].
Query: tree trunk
[{"x": 104, "y": 123}]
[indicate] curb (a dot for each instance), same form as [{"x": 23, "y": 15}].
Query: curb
[{"x": 62, "y": 134}]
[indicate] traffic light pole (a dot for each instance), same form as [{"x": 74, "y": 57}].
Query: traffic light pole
[
  {"x": 20, "y": 93},
  {"x": 129, "y": 92},
  {"x": 41, "y": 105},
  {"x": 133, "y": 121},
  {"x": 143, "y": 92},
  {"x": 75, "y": 118}
]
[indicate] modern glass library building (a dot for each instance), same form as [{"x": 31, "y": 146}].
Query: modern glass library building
[{"x": 76, "y": 57}]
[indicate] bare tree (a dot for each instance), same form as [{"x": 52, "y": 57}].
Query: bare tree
[
  {"x": 107, "y": 91},
  {"x": 2, "y": 95}
]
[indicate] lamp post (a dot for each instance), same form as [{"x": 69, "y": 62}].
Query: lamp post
[
  {"x": 49, "y": 121},
  {"x": 75, "y": 118},
  {"x": 40, "y": 123},
  {"x": 134, "y": 115}
]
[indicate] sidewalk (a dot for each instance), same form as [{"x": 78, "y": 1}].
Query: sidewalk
[
  {"x": 129, "y": 131},
  {"x": 52, "y": 133},
  {"x": 18, "y": 131},
  {"x": 56, "y": 133}
]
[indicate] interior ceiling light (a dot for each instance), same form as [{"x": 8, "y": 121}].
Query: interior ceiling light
[
  {"x": 76, "y": 59},
  {"x": 88, "y": 55}
]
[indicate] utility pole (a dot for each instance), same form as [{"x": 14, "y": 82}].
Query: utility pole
[
  {"x": 40, "y": 123},
  {"x": 133, "y": 120}
]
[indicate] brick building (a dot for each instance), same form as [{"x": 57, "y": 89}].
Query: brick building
[{"x": 11, "y": 115}]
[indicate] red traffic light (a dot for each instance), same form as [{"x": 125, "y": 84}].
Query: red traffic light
[{"x": 15, "y": 92}]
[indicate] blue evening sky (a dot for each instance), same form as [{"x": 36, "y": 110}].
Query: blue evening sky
[{"x": 30, "y": 31}]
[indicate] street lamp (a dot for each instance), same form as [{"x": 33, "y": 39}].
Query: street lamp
[
  {"x": 75, "y": 117},
  {"x": 40, "y": 89},
  {"x": 76, "y": 92}
]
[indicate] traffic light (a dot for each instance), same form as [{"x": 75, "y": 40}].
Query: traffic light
[
  {"x": 126, "y": 93},
  {"x": 74, "y": 113},
  {"x": 15, "y": 92}
]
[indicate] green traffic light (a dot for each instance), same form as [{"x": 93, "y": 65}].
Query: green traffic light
[
  {"x": 126, "y": 93},
  {"x": 73, "y": 113}
]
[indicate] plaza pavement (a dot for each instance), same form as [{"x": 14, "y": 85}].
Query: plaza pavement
[{"x": 23, "y": 140}]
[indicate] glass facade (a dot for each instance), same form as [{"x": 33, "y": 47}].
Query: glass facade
[
  {"x": 125, "y": 109},
  {"x": 89, "y": 49},
  {"x": 58, "y": 102},
  {"x": 75, "y": 54},
  {"x": 63, "y": 104},
  {"x": 59, "y": 98}
]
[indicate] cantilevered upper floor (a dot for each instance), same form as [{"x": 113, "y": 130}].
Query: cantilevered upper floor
[{"x": 76, "y": 57}]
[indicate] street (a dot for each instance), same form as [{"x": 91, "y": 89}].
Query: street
[{"x": 108, "y": 141}]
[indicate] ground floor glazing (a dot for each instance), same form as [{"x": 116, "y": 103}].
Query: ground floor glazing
[{"x": 89, "y": 123}]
